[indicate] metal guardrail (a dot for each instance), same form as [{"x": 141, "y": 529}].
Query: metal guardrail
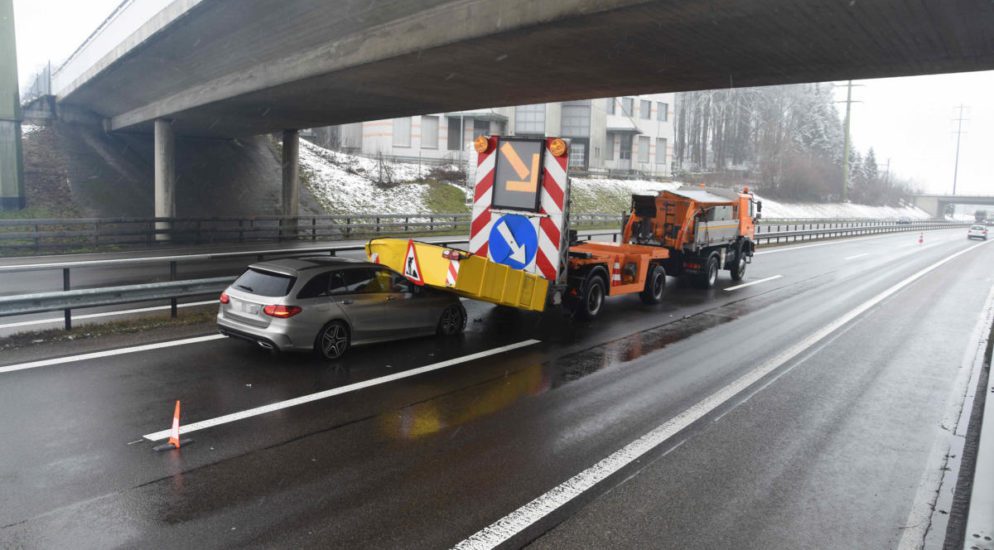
[
  {"x": 69, "y": 299},
  {"x": 112, "y": 295},
  {"x": 41, "y": 234}
]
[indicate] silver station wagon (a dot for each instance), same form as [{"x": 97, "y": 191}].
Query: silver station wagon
[{"x": 329, "y": 304}]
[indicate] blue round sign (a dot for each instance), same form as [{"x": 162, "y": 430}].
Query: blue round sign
[{"x": 513, "y": 241}]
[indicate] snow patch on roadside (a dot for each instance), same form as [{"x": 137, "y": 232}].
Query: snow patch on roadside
[{"x": 776, "y": 209}]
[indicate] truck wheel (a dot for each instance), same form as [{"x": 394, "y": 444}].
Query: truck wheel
[
  {"x": 709, "y": 276},
  {"x": 592, "y": 297},
  {"x": 738, "y": 270},
  {"x": 655, "y": 285}
]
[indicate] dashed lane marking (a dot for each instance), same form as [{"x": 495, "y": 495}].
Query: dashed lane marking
[{"x": 750, "y": 283}]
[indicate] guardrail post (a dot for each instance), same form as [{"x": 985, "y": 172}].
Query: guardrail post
[
  {"x": 241, "y": 231},
  {"x": 377, "y": 225},
  {"x": 96, "y": 233},
  {"x": 314, "y": 228},
  {"x": 65, "y": 286},
  {"x": 172, "y": 301},
  {"x": 37, "y": 240}
]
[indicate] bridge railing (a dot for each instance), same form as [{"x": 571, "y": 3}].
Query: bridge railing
[{"x": 69, "y": 299}]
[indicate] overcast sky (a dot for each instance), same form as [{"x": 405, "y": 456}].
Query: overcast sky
[{"x": 907, "y": 120}]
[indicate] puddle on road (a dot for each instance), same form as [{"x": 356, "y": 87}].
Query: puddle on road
[{"x": 540, "y": 376}]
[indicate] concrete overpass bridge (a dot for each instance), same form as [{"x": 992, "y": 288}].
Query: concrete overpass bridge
[
  {"x": 229, "y": 68},
  {"x": 936, "y": 205}
]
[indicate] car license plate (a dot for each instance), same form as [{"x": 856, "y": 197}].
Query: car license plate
[{"x": 251, "y": 309}]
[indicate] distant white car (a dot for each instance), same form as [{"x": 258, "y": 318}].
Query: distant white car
[{"x": 977, "y": 231}]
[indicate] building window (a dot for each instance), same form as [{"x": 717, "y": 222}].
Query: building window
[
  {"x": 481, "y": 128},
  {"x": 628, "y": 106},
  {"x": 610, "y": 105},
  {"x": 530, "y": 119},
  {"x": 429, "y": 132},
  {"x": 455, "y": 134},
  {"x": 660, "y": 150},
  {"x": 645, "y": 109},
  {"x": 625, "y": 151},
  {"x": 609, "y": 147},
  {"x": 402, "y": 132},
  {"x": 643, "y": 149},
  {"x": 578, "y": 155},
  {"x": 576, "y": 120},
  {"x": 663, "y": 111}
]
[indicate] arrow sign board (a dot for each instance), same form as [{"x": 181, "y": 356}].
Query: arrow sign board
[
  {"x": 518, "y": 175},
  {"x": 412, "y": 267},
  {"x": 513, "y": 241}
]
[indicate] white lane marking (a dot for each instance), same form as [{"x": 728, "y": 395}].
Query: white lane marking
[
  {"x": 234, "y": 417},
  {"x": 109, "y": 353},
  {"x": 503, "y": 529},
  {"x": 104, "y": 314},
  {"x": 919, "y": 522},
  {"x": 856, "y": 256},
  {"x": 750, "y": 283}
]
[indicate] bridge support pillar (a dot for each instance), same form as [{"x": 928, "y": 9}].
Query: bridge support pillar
[
  {"x": 165, "y": 177},
  {"x": 291, "y": 183},
  {"x": 11, "y": 161}
]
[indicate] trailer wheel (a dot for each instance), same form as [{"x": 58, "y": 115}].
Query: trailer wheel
[
  {"x": 709, "y": 276},
  {"x": 738, "y": 269},
  {"x": 655, "y": 285},
  {"x": 592, "y": 297}
]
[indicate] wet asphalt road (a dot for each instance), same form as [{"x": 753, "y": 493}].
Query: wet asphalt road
[{"x": 826, "y": 452}]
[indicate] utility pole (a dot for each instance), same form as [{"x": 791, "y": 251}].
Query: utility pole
[
  {"x": 845, "y": 154},
  {"x": 959, "y": 133}
]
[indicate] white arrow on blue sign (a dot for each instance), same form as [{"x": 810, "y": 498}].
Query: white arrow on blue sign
[{"x": 513, "y": 241}]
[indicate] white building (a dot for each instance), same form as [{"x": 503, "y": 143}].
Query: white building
[{"x": 631, "y": 134}]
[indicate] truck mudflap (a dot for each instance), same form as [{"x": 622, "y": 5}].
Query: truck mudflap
[{"x": 462, "y": 273}]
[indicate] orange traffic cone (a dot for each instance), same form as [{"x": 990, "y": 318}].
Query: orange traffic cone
[
  {"x": 921, "y": 238},
  {"x": 174, "y": 440}
]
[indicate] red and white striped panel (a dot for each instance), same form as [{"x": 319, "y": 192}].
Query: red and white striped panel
[
  {"x": 452, "y": 274},
  {"x": 548, "y": 225}
]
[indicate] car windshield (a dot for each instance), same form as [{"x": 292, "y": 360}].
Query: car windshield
[{"x": 264, "y": 283}]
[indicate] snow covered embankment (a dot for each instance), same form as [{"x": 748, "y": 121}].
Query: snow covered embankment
[{"x": 346, "y": 183}]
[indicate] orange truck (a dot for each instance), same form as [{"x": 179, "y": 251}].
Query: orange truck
[{"x": 688, "y": 232}]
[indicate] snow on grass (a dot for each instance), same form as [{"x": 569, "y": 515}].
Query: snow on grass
[
  {"x": 28, "y": 129},
  {"x": 599, "y": 195},
  {"x": 348, "y": 184}
]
